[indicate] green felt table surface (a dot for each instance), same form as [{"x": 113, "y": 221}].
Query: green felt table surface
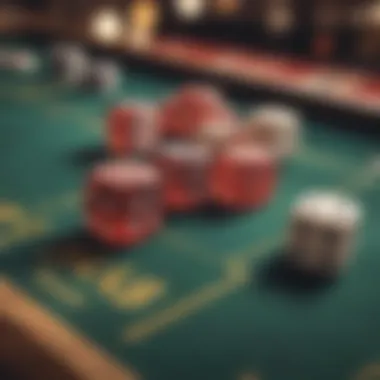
[{"x": 201, "y": 299}]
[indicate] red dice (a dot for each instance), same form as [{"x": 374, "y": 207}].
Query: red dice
[
  {"x": 123, "y": 202},
  {"x": 185, "y": 169},
  {"x": 243, "y": 177},
  {"x": 132, "y": 128},
  {"x": 184, "y": 114}
]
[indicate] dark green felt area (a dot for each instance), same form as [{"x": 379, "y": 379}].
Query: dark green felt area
[{"x": 205, "y": 298}]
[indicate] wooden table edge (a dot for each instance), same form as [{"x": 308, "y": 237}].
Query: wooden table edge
[{"x": 62, "y": 343}]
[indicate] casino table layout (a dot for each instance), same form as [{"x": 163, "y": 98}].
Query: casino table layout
[{"x": 207, "y": 297}]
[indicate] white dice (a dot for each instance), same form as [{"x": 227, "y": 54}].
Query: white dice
[
  {"x": 276, "y": 127},
  {"x": 322, "y": 232}
]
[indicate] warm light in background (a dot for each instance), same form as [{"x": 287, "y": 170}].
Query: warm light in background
[
  {"x": 144, "y": 14},
  {"x": 227, "y": 7},
  {"x": 106, "y": 26},
  {"x": 373, "y": 14},
  {"x": 10, "y": 16},
  {"x": 189, "y": 10},
  {"x": 280, "y": 18},
  {"x": 144, "y": 19}
]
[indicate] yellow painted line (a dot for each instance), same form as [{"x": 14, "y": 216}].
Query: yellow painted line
[
  {"x": 17, "y": 225},
  {"x": 369, "y": 372},
  {"x": 235, "y": 276},
  {"x": 257, "y": 249},
  {"x": 237, "y": 270},
  {"x": 179, "y": 311},
  {"x": 51, "y": 284},
  {"x": 248, "y": 376}
]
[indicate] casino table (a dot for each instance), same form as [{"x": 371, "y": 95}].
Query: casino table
[{"x": 208, "y": 297}]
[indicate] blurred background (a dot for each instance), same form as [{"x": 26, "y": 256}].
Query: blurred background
[{"x": 334, "y": 31}]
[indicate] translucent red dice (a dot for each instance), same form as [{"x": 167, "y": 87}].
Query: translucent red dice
[
  {"x": 243, "y": 177},
  {"x": 123, "y": 202},
  {"x": 132, "y": 128},
  {"x": 185, "y": 113},
  {"x": 185, "y": 169}
]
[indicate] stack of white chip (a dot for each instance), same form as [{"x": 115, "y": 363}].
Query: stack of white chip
[
  {"x": 276, "y": 127},
  {"x": 70, "y": 63},
  {"x": 20, "y": 60},
  {"x": 322, "y": 233}
]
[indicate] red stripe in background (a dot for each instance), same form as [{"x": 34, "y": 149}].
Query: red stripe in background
[{"x": 259, "y": 66}]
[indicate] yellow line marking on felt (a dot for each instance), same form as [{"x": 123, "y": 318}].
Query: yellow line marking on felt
[
  {"x": 51, "y": 284},
  {"x": 180, "y": 310},
  {"x": 17, "y": 225},
  {"x": 369, "y": 372},
  {"x": 235, "y": 275},
  {"x": 248, "y": 376}
]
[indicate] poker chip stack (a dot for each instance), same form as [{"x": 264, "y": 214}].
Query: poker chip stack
[
  {"x": 322, "y": 233},
  {"x": 20, "y": 60},
  {"x": 73, "y": 66},
  {"x": 277, "y": 127}
]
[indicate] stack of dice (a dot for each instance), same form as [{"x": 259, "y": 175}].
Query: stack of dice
[{"x": 193, "y": 150}]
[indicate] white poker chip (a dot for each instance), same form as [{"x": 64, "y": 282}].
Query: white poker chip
[
  {"x": 277, "y": 116},
  {"x": 71, "y": 63},
  {"x": 21, "y": 60},
  {"x": 126, "y": 173},
  {"x": 26, "y": 61},
  {"x": 328, "y": 209},
  {"x": 280, "y": 125}
]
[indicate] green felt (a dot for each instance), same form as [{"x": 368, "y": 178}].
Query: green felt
[{"x": 196, "y": 301}]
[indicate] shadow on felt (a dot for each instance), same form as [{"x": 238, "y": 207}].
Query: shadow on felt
[
  {"x": 280, "y": 275},
  {"x": 212, "y": 212},
  {"x": 89, "y": 155}
]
